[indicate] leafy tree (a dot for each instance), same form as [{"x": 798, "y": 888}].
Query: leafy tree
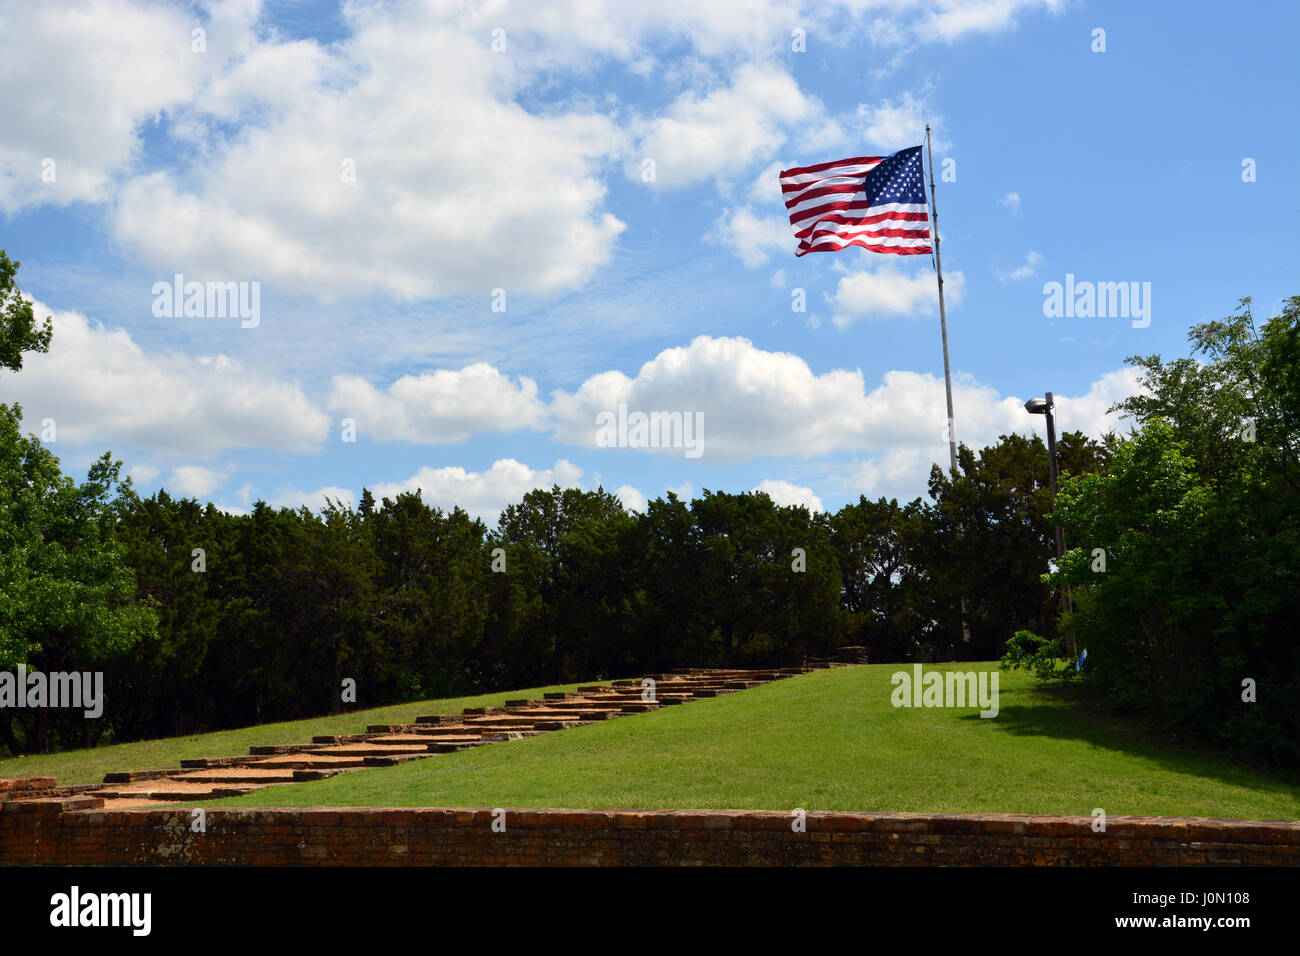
[
  {"x": 1198, "y": 524},
  {"x": 66, "y": 593},
  {"x": 19, "y": 331},
  {"x": 884, "y": 579}
]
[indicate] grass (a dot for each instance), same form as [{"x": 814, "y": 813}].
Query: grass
[
  {"x": 829, "y": 740},
  {"x": 89, "y": 766}
]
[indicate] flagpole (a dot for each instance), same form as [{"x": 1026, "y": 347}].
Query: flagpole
[
  {"x": 943, "y": 319},
  {"x": 943, "y": 328}
]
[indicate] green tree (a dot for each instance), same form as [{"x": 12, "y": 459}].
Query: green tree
[
  {"x": 67, "y": 597},
  {"x": 1186, "y": 560},
  {"x": 19, "y": 331}
]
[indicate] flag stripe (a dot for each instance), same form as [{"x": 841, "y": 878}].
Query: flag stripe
[{"x": 874, "y": 202}]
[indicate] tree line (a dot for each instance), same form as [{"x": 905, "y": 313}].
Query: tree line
[{"x": 1182, "y": 564}]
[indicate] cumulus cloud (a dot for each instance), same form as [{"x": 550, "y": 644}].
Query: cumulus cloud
[
  {"x": 306, "y": 170},
  {"x": 757, "y": 404},
  {"x": 333, "y": 186},
  {"x": 70, "y": 115},
  {"x": 891, "y": 289},
  {"x": 314, "y": 500},
  {"x": 194, "y": 481},
  {"x": 100, "y": 386},
  {"x": 1012, "y": 202},
  {"x": 143, "y": 474},
  {"x": 1030, "y": 266},
  {"x": 891, "y": 125},
  {"x": 753, "y": 238},
  {"x": 631, "y": 498},
  {"x": 725, "y": 131},
  {"x": 786, "y": 494},
  {"x": 484, "y": 494},
  {"x": 951, "y": 20},
  {"x": 438, "y": 407}
]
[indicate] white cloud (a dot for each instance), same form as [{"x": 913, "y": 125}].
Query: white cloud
[
  {"x": 1030, "y": 266},
  {"x": 753, "y": 238},
  {"x": 723, "y": 132},
  {"x": 415, "y": 97},
  {"x": 194, "y": 481},
  {"x": 1087, "y": 413},
  {"x": 783, "y": 493},
  {"x": 62, "y": 57},
  {"x": 685, "y": 491},
  {"x": 314, "y": 500},
  {"x": 766, "y": 188},
  {"x": 438, "y": 407},
  {"x": 889, "y": 290},
  {"x": 631, "y": 498},
  {"x": 906, "y": 453},
  {"x": 753, "y": 402},
  {"x": 101, "y": 387},
  {"x": 757, "y": 404},
  {"x": 143, "y": 474},
  {"x": 1012, "y": 202},
  {"x": 440, "y": 204},
  {"x": 951, "y": 20},
  {"x": 891, "y": 125},
  {"x": 484, "y": 494}
]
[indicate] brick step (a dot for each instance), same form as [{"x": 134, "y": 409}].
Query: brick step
[
  {"x": 630, "y": 707},
  {"x": 316, "y": 762},
  {"x": 130, "y": 776},
  {"x": 368, "y": 750},
  {"x": 569, "y": 711},
  {"x": 177, "y": 791},
  {"x": 420, "y": 739},
  {"x": 200, "y": 763},
  {"x": 303, "y": 776},
  {"x": 394, "y": 760},
  {"x": 529, "y": 724},
  {"x": 236, "y": 775}
]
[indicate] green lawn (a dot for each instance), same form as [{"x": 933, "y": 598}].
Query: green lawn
[
  {"x": 829, "y": 740},
  {"x": 89, "y": 766}
]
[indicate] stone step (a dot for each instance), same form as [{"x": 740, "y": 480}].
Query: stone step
[
  {"x": 368, "y": 750},
  {"x": 129, "y": 776},
  {"x": 237, "y": 775},
  {"x": 199, "y": 763},
  {"x": 315, "y": 762},
  {"x": 395, "y": 759}
]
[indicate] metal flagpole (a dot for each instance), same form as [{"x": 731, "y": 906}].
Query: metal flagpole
[
  {"x": 943, "y": 327},
  {"x": 943, "y": 319}
]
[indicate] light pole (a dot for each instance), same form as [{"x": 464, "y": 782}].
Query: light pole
[{"x": 1046, "y": 407}]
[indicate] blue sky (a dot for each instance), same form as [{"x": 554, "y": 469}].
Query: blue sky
[{"x": 127, "y": 156}]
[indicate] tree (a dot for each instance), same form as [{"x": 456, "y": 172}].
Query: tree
[
  {"x": 1198, "y": 524},
  {"x": 19, "y": 332},
  {"x": 878, "y": 545},
  {"x": 66, "y": 592}
]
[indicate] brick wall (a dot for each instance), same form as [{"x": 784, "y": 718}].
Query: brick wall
[{"x": 47, "y": 832}]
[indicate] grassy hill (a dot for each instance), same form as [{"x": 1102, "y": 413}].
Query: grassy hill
[
  {"x": 829, "y": 740},
  {"x": 89, "y": 766}
]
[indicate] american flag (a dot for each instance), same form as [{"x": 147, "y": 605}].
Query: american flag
[{"x": 871, "y": 201}]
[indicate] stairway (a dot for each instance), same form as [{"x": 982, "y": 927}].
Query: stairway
[{"x": 386, "y": 745}]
